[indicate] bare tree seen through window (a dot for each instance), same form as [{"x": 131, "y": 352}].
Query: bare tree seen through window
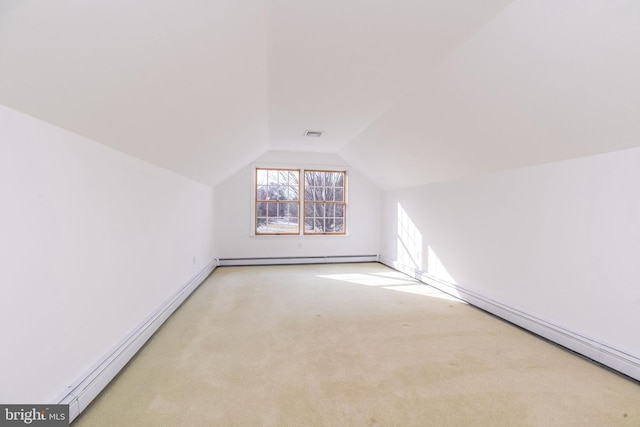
[
  {"x": 277, "y": 201},
  {"x": 324, "y": 202}
]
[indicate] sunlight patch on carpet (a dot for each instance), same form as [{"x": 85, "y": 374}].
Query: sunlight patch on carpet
[{"x": 394, "y": 282}]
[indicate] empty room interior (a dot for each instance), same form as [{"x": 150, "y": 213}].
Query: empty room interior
[{"x": 367, "y": 213}]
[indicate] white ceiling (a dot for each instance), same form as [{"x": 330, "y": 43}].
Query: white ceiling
[
  {"x": 546, "y": 80},
  {"x": 337, "y": 65},
  {"x": 409, "y": 92},
  {"x": 181, "y": 84}
]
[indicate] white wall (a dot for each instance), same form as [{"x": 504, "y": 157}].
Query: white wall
[
  {"x": 91, "y": 242},
  {"x": 234, "y": 214},
  {"x": 559, "y": 241}
]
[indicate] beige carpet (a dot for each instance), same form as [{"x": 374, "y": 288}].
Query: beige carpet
[{"x": 351, "y": 345}]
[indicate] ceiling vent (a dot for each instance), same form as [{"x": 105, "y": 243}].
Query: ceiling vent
[{"x": 313, "y": 133}]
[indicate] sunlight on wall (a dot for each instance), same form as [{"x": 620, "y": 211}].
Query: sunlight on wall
[
  {"x": 436, "y": 269},
  {"x": 409, "y": 241},
  {"x": 409, "y": 257}
]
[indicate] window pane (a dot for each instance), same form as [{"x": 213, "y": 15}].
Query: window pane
[
  {"x": 283, "y": 177},
  {"x": 308, "y": 224},
  {"x": 328, "y": 225},
  {"x": 275, "y": 190},
  {"x": 328, "y": 194},
  {"x": 308, "y": 193},
  {"x": 309, "y": 209},
  {"x": 261, "y": 210},
  {"x": 272, "y": 177},
  {"x": 293, "y": 193},
  {"x": 293, "y": 210},
  {"x": 261, "y": 175},
  {"x": 283, "y": 192},
  {"x": 261, "y": 225},
  {"x": 313, "y": 225},
  {"x": 272, "y": 209},
  {"x": 313, "y": 178},
  {"x": 268, "y": 193},
  {"x": 329, "y": 210},
  {"x": 294, "y": 179},
  {"x": 278, "y": 194},
  {"x": 281, "y": 225},
  {"x": 294, "y": 221},
  {"x": 263, "y": 191}
]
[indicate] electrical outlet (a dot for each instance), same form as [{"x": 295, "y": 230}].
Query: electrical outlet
[
  {"x": 299, "y": 245},
  {"x": 194, "y": 260}
]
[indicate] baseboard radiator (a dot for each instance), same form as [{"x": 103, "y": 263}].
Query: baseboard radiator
[
  {"x": 88, "y": 386},
  {"x": 604, "y": 354},
  {"x": 298, "y": 260}
]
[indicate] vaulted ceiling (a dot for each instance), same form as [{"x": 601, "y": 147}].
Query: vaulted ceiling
[{"x": 408, "y": 91}]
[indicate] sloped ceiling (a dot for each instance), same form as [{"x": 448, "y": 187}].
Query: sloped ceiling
[
  {"x": 181, "y": 84},
  {"x": 337, "y": 65},
  {"x": 409, "y": 92},
  {"x": 546, "y": 80}
]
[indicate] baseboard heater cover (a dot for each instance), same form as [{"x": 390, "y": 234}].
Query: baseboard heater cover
[
  {"x": 298, "y": 260},
  {"x": 602, "y": 353},
  {"x": 80, "y": 394}
]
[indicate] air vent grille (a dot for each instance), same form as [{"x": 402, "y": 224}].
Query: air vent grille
[{"x": 313, "y": 133}]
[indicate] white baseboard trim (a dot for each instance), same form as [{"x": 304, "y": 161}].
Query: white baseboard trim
[
  {"x": 607, "y": 355},
  {"x": 80, "y": 394},
  {"x": 298, "y": 260}
]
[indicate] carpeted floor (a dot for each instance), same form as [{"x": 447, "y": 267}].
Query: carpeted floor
[{"x": 351, "y": 345}]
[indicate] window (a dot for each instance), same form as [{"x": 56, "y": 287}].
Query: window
[
  {"x": 277, "y": 201},
  {"x": 278, "y": 205},
  {"x": 324, "y": 202}
]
